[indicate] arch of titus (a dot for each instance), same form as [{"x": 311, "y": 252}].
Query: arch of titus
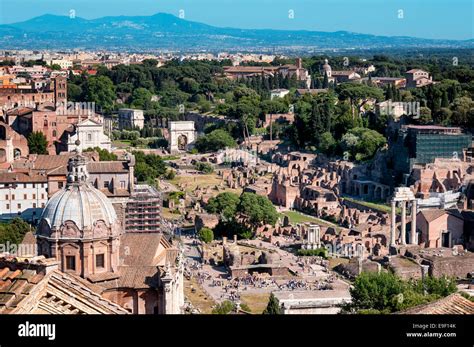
[
  {"x": 403, "y": 196},
  {"x": 181, "y": 136}
]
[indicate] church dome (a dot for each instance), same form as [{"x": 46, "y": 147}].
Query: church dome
[
  {"x": 79, "y": 201},
  {"x": 82, "y": 204},
  {"x": 327, "y": 67}
]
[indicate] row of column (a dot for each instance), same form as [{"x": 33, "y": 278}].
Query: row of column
[{"x": 393, "y": 227}]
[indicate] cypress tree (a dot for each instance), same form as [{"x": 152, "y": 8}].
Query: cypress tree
[
  {"x": 453, "y": 93},
  {"x": 445, "y": 101},
  {"x": 327, "y": 114},
  {"x": 389, "y": 93},
  {"x": 325, "y": 80},
  {"x": 272, "y": 307}
]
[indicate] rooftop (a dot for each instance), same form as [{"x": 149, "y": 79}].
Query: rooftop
[
  {"x": 38, "y": 287},
  {"x": 452, "y": 304}
]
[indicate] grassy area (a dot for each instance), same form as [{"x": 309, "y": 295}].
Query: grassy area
[
  {"x": 122, "y": 143},
  {"x": 202, "y": 181},
  {"x": 374, "y": 205},
  {"x": 296, "y": 217},
  {"x": 199, "y": 299},
  {"x": 170, "y": 215},
  {"x": 333, "y": 262},
  {"x": 256, "y": 302}
]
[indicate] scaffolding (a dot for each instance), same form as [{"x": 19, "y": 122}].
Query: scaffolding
[{"x": 143, "y": 213}]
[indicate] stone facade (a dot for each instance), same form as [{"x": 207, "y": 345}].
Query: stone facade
[
  {"x": 181, "y": 136},
  {"x": 90, "y": 134}
]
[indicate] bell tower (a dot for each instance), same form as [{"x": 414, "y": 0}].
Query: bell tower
[{"x": 60, "y": 91}]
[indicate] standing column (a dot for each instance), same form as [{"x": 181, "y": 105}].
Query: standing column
[
  {"x": 403, "y": 231},
  {"x": 393, "y": 224},
  {"x": 413, "y": 240}
]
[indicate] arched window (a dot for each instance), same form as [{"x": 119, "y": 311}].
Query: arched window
[
  {"x": 45, "y": 123},
  {"x": 54, "y": 133}
]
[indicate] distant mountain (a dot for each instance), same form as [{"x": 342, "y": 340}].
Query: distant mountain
[{"x": 165, "y": 31}]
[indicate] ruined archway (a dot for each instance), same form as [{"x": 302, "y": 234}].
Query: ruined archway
[{"x": 182, "y": 142}]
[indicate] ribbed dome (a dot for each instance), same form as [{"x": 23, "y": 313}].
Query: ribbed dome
[{"x": 81, "y": 203}]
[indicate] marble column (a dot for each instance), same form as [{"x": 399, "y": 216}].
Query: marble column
[
  {"x": 413, "y": 240},
  {"x": 393, "y": 224},
  {"x": 403, "y": 231}
]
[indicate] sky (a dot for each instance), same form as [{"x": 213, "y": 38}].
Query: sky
[{"x": 437, "y": 19}]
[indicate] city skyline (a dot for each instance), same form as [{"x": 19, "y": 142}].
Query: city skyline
[{"x": 400, "y": 18}]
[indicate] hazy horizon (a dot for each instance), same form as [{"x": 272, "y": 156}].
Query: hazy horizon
[{"x": 435, "y": 19}]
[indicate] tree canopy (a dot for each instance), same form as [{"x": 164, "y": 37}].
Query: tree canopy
[
  {"x": 14, "y": 231},
  {"x": 224, "y": 204},
  {"x": 257, "y": 210},
  {"x": 216, "y": 140},
  {"x": 37, "y": 143},
  {"x": 384, "y": 292},
  {"x": 206, "y": 235},
  {"x": 272, "y": 307}
]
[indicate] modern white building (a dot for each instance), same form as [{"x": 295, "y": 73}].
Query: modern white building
[
  {"x": 90, "y": 134},
  {"x": 131, "y": 118},
  {"x": 22, "y": 195}
]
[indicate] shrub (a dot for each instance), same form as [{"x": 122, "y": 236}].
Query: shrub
[
  {"x": 320, "y": 252},
  {"x": 225, "y": 307},
  {"x": 204, "y": 167},
  {"x": 206, "y": 235}
]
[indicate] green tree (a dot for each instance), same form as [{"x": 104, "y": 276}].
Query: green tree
[
  {"x": 376, "y": 291},
  {"x": 216, "y": 140},
  {"x": 425, "y": 116},
  {"x": 14, "y": 231},
  {"x": 327, "y": 143},
  {"x": 37, "y": 143},
  {"x": 357, "y": 93},
  {"x": 101, "y": 90},
  {"x": 74, "y": 92},
  {"x": 141, "y": 98},
  {"x": 362, "y": 143},
  {"x": 148, "y": 166},
  {"x": 224, "y": 204},
  {"x": 384, "y": 292},
  {"x": 439, "y": 286},
  {"x": 325, "y": 80},
  {"x": 257, "y": 210},
  {"x": 204, "y": 167},
  {"x": 445, "y": 100},
  {"x": 272, "y": 307},
  {"x": 206, "y": 235}
]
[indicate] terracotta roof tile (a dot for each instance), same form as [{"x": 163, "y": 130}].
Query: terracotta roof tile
[
  {"x": 19, "y": 177},
  {"x": 107, "y": 167},
  {"x": 26, "y": 291},
  {"x": 452, "y": 304}
]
